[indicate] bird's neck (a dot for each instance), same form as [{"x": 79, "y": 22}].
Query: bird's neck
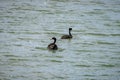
[
  {"x": 70, "y": 33},
  {"x": 54, "y": 41}
]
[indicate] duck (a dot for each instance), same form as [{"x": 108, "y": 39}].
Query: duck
[
  {"x": 67, "y": 36},
  {"x": 53, "y": 46}
]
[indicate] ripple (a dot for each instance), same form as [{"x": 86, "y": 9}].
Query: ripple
[
  {"x": 104, "y": 75},
  {"x": 97, "y": 2},
  {"x": 26, "y": 38},
  {"x": 97, "y": 34},
  {"x": 107, "y": 43},
  {"x": 115, "y": 34},
  {"x": 95, "y": 12},
  {"x": 10, "y": 55},
  {"x": 18, "y": 59},
  {"x": 107, "y": 65},
  {"x": 30, "y": 32},
  {"x": 50, "y": 32},
  {"x": 59, "y": 56},
  {"x": 12, "y": 32},
  {"x": 89, "y": 76},
  {"x": 57, "y": 61},
  {"x": 81, "y": 65},
  {"x": 1, "y": 30},
  {"x": 61, "y": 49},
  {"x": 84, "y": 51},
  {"x": 45, "y": 11},
  {"x": 18, "y": 45},
  {"x": 60, "y": 77},
  {"x": 41, "y": 48}
]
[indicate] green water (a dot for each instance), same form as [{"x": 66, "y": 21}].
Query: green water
[{"x": 26, "y": 27}]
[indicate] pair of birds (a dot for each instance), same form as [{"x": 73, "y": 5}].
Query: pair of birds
[{"x": 53, "y": 46}]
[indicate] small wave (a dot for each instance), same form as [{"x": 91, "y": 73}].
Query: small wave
[
  {"x": 57, "y": 61},
  {"x": 41, "y": 48},
  {"x": 97, "y": 34},
  {"x": 107, "y": 65},
  {"x": 107, "y": 43},
  {"x": 82, "y": 65},
  {"x": 115, "y": 34}
]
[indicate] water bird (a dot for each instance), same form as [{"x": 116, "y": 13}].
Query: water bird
[
  {"x": 53, "y": 46},
  {"x": 67, "y": 36}
]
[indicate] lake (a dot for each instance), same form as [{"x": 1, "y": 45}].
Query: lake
[{"x": 26, "y": 29}]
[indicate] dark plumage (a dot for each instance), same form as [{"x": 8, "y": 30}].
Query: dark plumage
[
  {"x": 67, "y": 36},
  {"x": 53, "y": 46}
]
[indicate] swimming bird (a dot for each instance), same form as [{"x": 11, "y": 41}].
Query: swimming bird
[
  {"x": 53, "y": 46},
  {"x": 67, "y": 36}
]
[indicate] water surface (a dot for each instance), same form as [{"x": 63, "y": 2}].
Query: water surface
[{"x": 26, "y": 27}]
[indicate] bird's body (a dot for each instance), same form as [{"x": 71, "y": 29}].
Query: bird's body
[
  {"x": 67, "y": 36},
  {"x": 53, "y": 46}
]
